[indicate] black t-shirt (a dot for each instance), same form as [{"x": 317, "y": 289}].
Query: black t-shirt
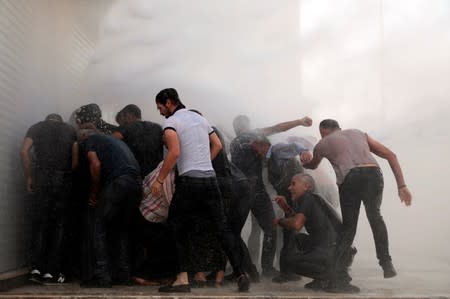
[
  {"x": 145, "y": 140},
  {"x": 115, "y": 157},
  {"x": 52, "y": 142},
  {"x": 244, "y": 157},
  {"x": 318, "y": 223}
]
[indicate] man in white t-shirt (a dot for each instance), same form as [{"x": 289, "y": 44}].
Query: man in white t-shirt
[{"x": 191, "y": 145}]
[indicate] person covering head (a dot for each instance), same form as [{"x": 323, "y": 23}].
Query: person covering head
[{"x": 91, "y": 113}]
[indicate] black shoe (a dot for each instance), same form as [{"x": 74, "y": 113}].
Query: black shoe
[
  {"x": 316, "y": 285},
  {"x": 341, "y": 287},
  {"x": 198, "y": 283},
  {"x": 388, "y": 270},
  {"x": 35, "y": 276},
  {"x": 243, "y": 283},
  {"x": 284, "y": 277},
  {"x": 270, "y": 272},
  {"x": 181, "y": 288},
  {"x": 48, "y": 279},
  {"x": 96, "y": 283}
]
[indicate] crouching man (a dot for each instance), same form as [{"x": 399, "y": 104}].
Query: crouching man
[{"x": 314, "y": 254}]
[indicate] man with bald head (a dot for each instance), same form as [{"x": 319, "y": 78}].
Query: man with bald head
[
  {"x": 359, "y": 179},
  {"x": 313, "y": 254}
]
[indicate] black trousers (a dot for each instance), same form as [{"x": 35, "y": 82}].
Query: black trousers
[
  {"x": 236, "y": 194},
  {"x": 303, "y": 259},
  {"x": 48, "y": 219},
  {"x": 262, "y": 208},
  {"x": 107, "y": 249},
  {"x": 364, "y": 185},
  {"x": 191, "y": 195}
]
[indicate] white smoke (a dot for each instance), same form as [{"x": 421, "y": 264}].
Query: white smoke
[{"x": 380, "y": 66}]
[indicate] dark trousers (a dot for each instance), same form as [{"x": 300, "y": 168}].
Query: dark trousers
[
  {"x": 262, "y": 209},
  {"x": 364, "y": 185},
  {"x": 237, "y": 213},
  {"x": 303, "y": 259},
  {"x": 191, "y": 196},
  {"x": 109, "y": 234},
  {"x": 289, "y": 237},
  {"x": 155, "y": 255},
  {"x": 49, "y": 215}
]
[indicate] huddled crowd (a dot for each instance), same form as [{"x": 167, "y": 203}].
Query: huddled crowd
[{"x": 146, "y": 204}]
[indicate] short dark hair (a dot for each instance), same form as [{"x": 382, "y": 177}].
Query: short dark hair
[
  {"x": 132, "y": 110},
  {"x": 329, "y": 124},
  {"x": 54, "y": 117},
  {"x": 169, "y": 93}
]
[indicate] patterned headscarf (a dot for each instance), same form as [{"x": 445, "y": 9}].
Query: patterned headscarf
[{"x": 91, "y": 113}]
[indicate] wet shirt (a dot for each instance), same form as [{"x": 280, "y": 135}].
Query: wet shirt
[
  {"x": 318, "y": 223},
  {"x": 52, "y": 142},
  {"x": 145, "y": 140},
  {"x": 283, "y": 164},
  {"x": 244, "y": 157},
  {"x": 115, "y": 157},
  {"x": 193, "y": 134},
  {"x": 345, "y": 150}
]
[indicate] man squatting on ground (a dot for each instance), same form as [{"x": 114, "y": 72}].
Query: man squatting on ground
[
  {"x": 311, "y": 255},
  {"x": 244, "y": 157}
]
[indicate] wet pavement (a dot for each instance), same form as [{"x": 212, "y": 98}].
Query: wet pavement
[{"x": 432, "y": 281}]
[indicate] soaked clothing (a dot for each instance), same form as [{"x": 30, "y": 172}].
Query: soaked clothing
[
  {"x": 345, "y": 150},
  {"x": 109, "y": 222},
  {"x": 91, "y": 113},
  {"x": 282, "y": 166},
  {"x": 193, "y": 134},
  {"x": 197, "y": 192},
  {"x": 362, "y": 184},
  {"x": 314, "y": 254},
  {"x": 52, "y": 175},
  {"x": 348, "y": 151},
  {"x": 144, "y": 139},
  {"x": 52, "y": 143},
  {"x": 115, "y": 156},
  {"x": 243, "y": 156}
]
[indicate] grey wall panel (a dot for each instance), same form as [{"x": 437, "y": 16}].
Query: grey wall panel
[{"x": 45, "y": 47}]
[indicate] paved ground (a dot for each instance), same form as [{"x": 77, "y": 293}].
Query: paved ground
[{"x": 432, "y": 281}]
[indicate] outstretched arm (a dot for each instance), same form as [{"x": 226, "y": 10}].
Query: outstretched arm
[
  {"x": 284, "y": 126},
  {"x": 382, "y": 151}
]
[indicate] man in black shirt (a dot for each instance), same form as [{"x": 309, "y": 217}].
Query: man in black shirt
[
  {"x": 144, "y": 138},
  {"x": 244, "y": 157},
  {"x": 50, "y": 180},
  {"x": 116, "y": 189},
  {"x": 315, "y": 253}
]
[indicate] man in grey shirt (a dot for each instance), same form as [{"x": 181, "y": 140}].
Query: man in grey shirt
[{"x": 360, "y": 179}]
